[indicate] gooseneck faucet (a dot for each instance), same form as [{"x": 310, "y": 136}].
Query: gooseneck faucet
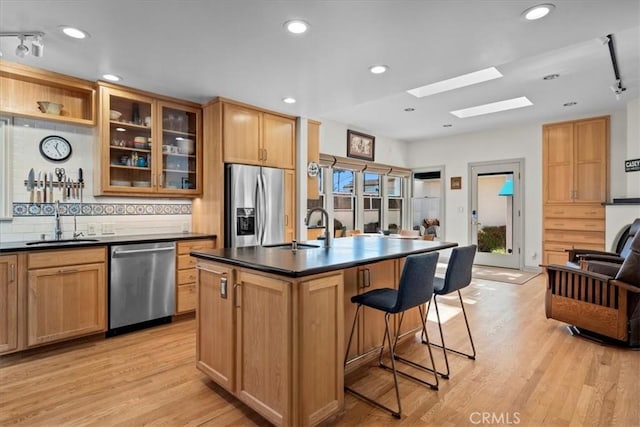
[
  {"x": 57, "y": 226},
  {"x": 327, "y": 233}
]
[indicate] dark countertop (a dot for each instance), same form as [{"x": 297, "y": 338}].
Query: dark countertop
[
  {"x": 101, "y": 241},
  {"x": 345, "y": 252}
]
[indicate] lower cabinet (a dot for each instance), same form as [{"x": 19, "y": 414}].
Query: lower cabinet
[
  {"x": 186, "y": 273},
  {"x": 8, "y": 303},
  {"x": 66, "y": 294},
  {"x": 273, "y": 342}
]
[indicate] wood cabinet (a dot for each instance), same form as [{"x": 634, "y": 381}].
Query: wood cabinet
[
  {"x": 289, "y": 205},
  {"x": 186, "y": 273},
  {"x": 215, "y": 324},
  {"x": 313, "y": 155},
  {"x": 67, "y": 294},
  {"x": 575, "y": 158},
  {"x": 8, "y": 303},
  {"x": 275, "y": 343},
  {"x": 23, "y": 87},
  {"x": 255, "y": 137},
  {"x": 150, "y": 145}
]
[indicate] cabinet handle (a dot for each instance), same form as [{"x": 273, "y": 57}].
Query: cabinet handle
[
  {"x": 286, "y": 220},
  {"x": 236, "y": 300},
  {"x": 160, "y": 180},
  {"x": 74, "y": 270},
  {"x": 265, "y": 154},
  {"x": 223, "y": 287},
  {"x": 259, "y": 153},
  {"x": 12, "y": 273}
]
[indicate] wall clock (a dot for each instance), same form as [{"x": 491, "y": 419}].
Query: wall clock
[{"x": 55, "y": 148}]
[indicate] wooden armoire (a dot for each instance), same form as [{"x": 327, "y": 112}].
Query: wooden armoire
[{"x": 575, "y": 160}]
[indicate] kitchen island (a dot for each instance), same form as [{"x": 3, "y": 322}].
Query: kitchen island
[{"x": 271, "y": 320}]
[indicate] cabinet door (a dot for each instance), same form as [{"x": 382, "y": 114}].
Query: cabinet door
[
  {"x": 289, "y": 205},
  {"x": 591, "y": 158},
  {"x": 8, "y": 303},
  {"x": 241, "y": 135},
  {"x": 215, "y": 323},
  {"x": 375, "y": 276},
  {"x": 126, "y": 139},
  {"x": 66, "y": 302},
  {"x": 279, "y": 136},
  {"x": 558, "y": 163},
  {"x": 264, "y": 352},
  {"x": 178, "y": 156}
]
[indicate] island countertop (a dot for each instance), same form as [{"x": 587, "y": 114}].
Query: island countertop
[{"x": 344, "y": 252}]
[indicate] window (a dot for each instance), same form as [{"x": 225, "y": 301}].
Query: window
[
  {"x": 5, "y": 170},
  {"x": 395, "y": 201},
  {"x": 343, "y": 201},
  {"x": 372, "y": 202}
]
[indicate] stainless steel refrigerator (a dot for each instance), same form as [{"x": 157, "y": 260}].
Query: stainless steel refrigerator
[{"x": 254, "y": 205}]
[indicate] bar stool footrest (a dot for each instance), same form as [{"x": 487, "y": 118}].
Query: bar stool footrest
[
  {"x": 470, "y": 356},
  {"x": 395, "y": 414}
]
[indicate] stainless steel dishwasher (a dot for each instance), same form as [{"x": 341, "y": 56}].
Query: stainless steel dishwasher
[{"x": 141, "y": 285}]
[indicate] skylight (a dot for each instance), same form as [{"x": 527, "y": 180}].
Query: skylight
[
  {"x": 456, "y": 82},
  {"x": 494, "y": 107}
]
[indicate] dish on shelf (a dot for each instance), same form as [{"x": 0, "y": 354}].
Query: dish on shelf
[
  {"x": 49, "y": 107},
  {"x": 186, "y": 146},
  {"x": 114, "y": 115},
  {"x": 119, "y": 183},
  {"x": 141, "y": 184},
  {"x": 141, "y": 145},
  {"x": 140, "y": 139}
]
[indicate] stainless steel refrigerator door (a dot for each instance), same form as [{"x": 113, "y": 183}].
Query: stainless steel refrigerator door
[
  {"x": 142, "y": 284},
  {"x": 243, "y": 211},
  {"x": 273, "y": 208}
]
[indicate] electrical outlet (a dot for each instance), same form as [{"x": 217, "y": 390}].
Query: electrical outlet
[
  {"x": 92, "y": 229},
  {"x": 107, "y": 228},
  {"x": 185, "y": 227}
]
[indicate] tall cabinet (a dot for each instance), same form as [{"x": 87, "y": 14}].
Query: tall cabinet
[{"x": 575, "y": 159}]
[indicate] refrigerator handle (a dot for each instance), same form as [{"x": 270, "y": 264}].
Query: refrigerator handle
[
  {"x": 257, "y": 204},
  {"x": 263, "y": 208}
]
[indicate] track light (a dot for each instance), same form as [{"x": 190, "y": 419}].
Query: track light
[
  {"x": 37, "y": 47},
  {"x": 618, "y": 87}
]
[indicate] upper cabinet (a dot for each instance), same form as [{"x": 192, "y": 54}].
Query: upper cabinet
[
  {"x": 149, "y": 145},
  {"x": 575, "y": 160},
  {"x": 256, "y": 137},
  {"x": 40, "y": 94}
]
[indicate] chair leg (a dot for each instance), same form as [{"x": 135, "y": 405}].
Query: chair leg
[
  {"x": 387, "y": 337},
  {"x": 466, "y": 321},
  {"x": 353, "y": 328},
  {"x": 433, "y": 386}
]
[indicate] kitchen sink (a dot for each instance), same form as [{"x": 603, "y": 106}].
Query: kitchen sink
[
  {"x": 59, "y": 242},
  {"x": 290, "y": 246}
]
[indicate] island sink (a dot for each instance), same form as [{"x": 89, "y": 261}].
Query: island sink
[{"x": 59, "y": 242}]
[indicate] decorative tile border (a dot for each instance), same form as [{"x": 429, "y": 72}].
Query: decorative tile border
[{"x": 99, "y": 209}]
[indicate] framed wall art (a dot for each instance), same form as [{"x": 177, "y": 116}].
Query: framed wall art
[
  {"x": 456, "y": 182},
  {"x": 360, "y": 146}
]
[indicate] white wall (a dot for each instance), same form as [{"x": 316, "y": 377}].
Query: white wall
[
  {"x": 333, "y": 140},
  {"x": 633, "y": 146},
  {"x": 524, "y": 141},
  {"x": 26, "y": 137}
]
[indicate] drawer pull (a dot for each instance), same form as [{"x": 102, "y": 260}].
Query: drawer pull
[
  {"x": 12, "y": 273},
  {"x": 61, "y": 271}
]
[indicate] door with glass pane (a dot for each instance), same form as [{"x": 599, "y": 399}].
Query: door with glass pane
[
  {"x": 496, "y": 213},
  {"x": 343, "y": 201}
]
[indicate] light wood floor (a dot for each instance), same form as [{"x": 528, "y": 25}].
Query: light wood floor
[{"x": 529, "y": 371}]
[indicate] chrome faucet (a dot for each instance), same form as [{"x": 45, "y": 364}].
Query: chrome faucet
[
  {"x": 57, "y": 226},
  {"x": 327, "y": 232}
]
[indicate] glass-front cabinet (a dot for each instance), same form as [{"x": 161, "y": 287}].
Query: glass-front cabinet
[{"x": 149, "y": 146}]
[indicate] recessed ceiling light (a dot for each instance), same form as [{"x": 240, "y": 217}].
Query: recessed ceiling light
[
  {"x": 74, "y": 32},
  {"x": 569, "y": 104},
  {"x": 551, "y": 76},
  {"x": 537, "y": 12},
  {"x": 296, "y": 26},
  {"x": 378, "y": 69},
  {"x": 111, "y": 77},
  {"x": 494, "y": 107},
  {"x": 447, "y": 125},
  {"x": 289, "y": 100},
  {"x": 409, "y": 109},
  {"x": 456, "y": 82}
]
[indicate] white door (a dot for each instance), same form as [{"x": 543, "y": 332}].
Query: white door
[{"x": 496, "y": 213}]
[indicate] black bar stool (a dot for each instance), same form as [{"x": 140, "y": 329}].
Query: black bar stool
[
  {"x": 458, "y": 276},
  {"x": 414, "y": 290}
]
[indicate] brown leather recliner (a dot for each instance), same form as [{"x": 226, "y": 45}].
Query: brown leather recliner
[
  {"x": 576, "y": 256},
  {"x": 596, "y": 304}
]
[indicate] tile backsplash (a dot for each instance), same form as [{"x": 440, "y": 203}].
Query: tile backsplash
[{"x": 97, "y": 214}]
